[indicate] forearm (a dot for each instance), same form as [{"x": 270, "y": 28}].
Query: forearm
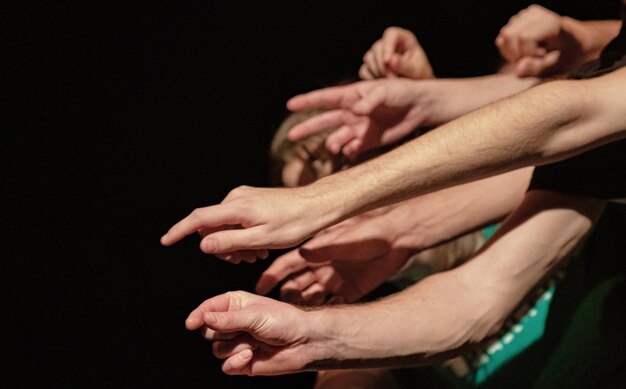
[
  {"x": 545, "y": 124},
  {"x": 450, "y": 312},
  {"x": 426, "y": 221},
  {"x": 452, "y": 98}
]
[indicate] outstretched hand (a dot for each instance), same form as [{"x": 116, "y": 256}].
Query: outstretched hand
[
  {"x": 396, "y": 54},
  {"x": 254, "y": 335},
  {"x": 368, "y": 114},
  {"x": 251, "y": 220},
  {"x": 339, "y": 265}
]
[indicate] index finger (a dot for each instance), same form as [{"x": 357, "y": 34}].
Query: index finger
[
  {"x": 321, "y": 98},
  {"x": 389, "y": 42},
  {"x": 208, "y": 217},
  {"x": 315, "y": 124},
  {"x": 282, "y": 267}
]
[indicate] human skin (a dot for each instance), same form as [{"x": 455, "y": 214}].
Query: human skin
[
  {"x": 396, "y": 54},
  {"x": 352, "y": 258},
  {"x": 541, "y": 42},
  {"x": 435, "y": 319},
  {"x": 427, "y": 102},
  {"x": 545, "y": 124}
]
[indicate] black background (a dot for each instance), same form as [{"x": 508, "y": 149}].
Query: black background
[{"x": 120, "y": 119}]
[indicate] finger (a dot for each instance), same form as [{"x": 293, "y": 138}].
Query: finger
[
  {"x": 374, "y": 98},
  {"x": 215, "y": 304},
  {"x": 317, "y": 123},
  {"x": 397, "y": 65},
  {"x": 528, "y": 47},
  {"x": 213, "y": 216},
  {"x": 336, "y": 140},
  {"x": 505, "y": 39},
  {"x": 396, "y": 133},
  {"x": 322, "y": 98},
  {"x": 233, "y": 258},
  {"x": 389, "y": 44},
  {"x": 227, "y": 348},
  {"x": 239, "y": 363},
  {"x": 353, "y": 148},
  {"x": 237, "y": 256},
  {"x": 209, "y": 334},
  {"x": 232, "y": 240},
  {"x": 282, "y": 267},
  {"x": 371, "y": 62},
  {"x": 300, "y": 282},
  {"x": 314, "y": 294},
  {"x": 365, "y": 73},
  {"x": 379, "y": 60},
  {"x": 262, "y": 253},
  {"x": 248, "y": 256},
  {"x": 240, "y": 320},
  {"x": 537, "y": 66}
]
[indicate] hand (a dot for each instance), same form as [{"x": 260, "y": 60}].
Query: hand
[
  {"x": 369, "y": 114},
  {"x": 396, "y": 54},
  {"x": 537, "y": 41},
  {"x": 251, "y": 220},
  {"x": 254, "y": 335},
  {"x": 337, "y": 281},
  {"x": 342, "y": 263}
]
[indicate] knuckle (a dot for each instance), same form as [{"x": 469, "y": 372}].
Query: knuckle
[{"x": 196, "y": 214}]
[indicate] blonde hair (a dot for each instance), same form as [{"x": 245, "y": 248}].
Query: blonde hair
[{"x": 283, "y": 150}]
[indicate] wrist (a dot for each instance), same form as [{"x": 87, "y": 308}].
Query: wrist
[
  {"x": 429, "y": 96},
  {"x": 323, "y": 350}
]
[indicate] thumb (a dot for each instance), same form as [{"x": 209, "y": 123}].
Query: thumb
[
  {"x": 230, "y": 240},
  {"x": 242, "y": 320},
  {"x": 372, "y": 100},
  {"x": 410, "y": 65},
  {"x": 536, "y": 66}
]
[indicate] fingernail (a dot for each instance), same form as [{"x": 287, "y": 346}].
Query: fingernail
[
  {"x": 245, "y": 354},
  {"x": 209, "y": 245}
]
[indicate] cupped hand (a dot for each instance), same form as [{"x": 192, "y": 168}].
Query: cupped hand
[
  {"x": 254, "y": 335},
  {"x": 396, "y": 54}
]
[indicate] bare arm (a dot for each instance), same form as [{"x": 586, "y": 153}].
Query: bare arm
[
  {"x": 433, "y": 320},
  {"x": 547, "y": 123},
  {"x": 354, "y": 257},
  {"x": 428, "y": 103},
  {"x": 450, "y": 311}
]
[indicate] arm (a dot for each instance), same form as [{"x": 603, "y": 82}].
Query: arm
[
  {"x": 418, "y": 104},
  {"x": 547, "y": 123},
  {"x": 433, "y": 320},
  {"x": 354, "y": 257}
]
